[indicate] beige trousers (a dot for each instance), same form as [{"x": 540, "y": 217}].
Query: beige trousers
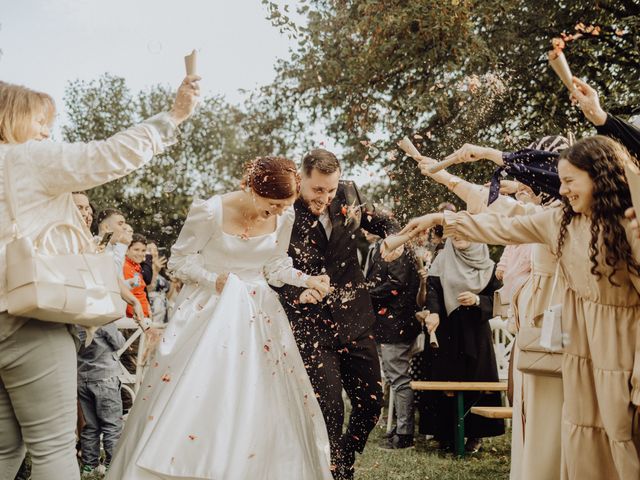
[
  {"x": 38, "y": 406},
  {"x": 542, "y": 408}
]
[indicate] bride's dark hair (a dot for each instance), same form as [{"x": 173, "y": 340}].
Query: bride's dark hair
[
  {"x": 272, "y": 177},
  {"x": 603, "y": 159}
]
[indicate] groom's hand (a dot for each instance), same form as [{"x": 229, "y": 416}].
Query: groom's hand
[
  {"x": 320, "y": 283},
  {"x": 310, "y": 295}
]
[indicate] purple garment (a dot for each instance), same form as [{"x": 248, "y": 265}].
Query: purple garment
[{"x": 535, "y": 168}]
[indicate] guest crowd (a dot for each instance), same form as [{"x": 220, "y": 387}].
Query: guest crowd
[{"x": 572, "y": 241}]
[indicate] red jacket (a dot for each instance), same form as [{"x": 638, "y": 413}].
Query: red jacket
[{"x": 130, "y": 269}]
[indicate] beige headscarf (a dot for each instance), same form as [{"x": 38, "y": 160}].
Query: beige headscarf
[{"x": 467, "y": 270}]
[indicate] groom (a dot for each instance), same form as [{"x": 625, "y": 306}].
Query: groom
[{"x": 334, "y": 334}]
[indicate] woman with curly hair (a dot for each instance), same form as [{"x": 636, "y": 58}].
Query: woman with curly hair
[{"x": 599, "y": 258}]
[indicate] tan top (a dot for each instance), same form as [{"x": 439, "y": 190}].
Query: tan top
[
  {"x": 611, "y": 313},
  {"x": 543, "y": 261}
]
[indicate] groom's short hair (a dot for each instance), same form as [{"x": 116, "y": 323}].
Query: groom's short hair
[{"x": 322, "y": 160}]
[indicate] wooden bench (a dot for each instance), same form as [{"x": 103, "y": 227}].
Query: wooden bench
[
  {"x": 457, "y": 389},
  {"x": 493, "y": 412}
]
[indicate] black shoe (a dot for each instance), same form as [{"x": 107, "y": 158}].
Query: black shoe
[
  {"x": 445, "y": 445},
  {"x": 397, "y": 442},
  {"x": 390, "y": 433},
  {"x": 473, "y": 445}
]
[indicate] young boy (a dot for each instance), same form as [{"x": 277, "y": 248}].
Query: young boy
[{"x": 99, "y": 395}]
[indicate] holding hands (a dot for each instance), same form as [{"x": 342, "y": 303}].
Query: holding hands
[{"x": 318, "y": 287}]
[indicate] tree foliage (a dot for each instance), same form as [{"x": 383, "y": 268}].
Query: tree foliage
[
  {"x": 214, "y": 145},
  {"x": 451, "y": 71}
]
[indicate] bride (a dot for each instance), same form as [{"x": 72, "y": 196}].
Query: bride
[{"x": 228, "y": 396}]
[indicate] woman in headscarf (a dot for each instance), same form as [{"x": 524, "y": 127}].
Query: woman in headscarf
[{"x": 461, "y": 283}]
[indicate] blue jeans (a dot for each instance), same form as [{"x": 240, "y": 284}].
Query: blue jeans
[{"x": 102, "y": 409}]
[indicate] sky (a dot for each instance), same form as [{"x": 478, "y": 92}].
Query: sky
[{"x": 47, "y": 43}]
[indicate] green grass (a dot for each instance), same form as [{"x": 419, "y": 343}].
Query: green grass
[{"x": 425, "y": 462}]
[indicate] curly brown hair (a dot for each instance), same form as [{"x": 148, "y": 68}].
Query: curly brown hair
[{"x": 603, "y": 159}]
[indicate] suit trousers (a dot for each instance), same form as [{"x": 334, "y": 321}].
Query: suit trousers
[
  {"x": 38, "y": 406},
  {"x": 396, "y": 363},
  {"x": 354, "y": 367}
]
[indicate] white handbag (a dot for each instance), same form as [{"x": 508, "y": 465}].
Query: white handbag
[
  {"x": 551, "y": 336},
  {"x": 77, "y": 288}
]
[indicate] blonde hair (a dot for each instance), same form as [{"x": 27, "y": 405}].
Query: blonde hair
[{"x": 18, "y": 106}]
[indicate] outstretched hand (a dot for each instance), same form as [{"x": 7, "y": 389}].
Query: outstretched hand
[
  {"x": 418, "y": 225},
  {"x": 186, "y": 99},
  {"x": 392, "y": 255},
  {"x": 587, "y": 99},
  {"x": 473, "y": 153}
]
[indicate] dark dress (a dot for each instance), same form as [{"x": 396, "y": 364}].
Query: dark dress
[{"x": 465, "y": 355}]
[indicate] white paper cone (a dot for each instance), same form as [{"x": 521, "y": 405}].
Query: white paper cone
[
  {"x": 558, "y": 62},
  {"x": 394, "y": 241},
  {"x": 633, "y": 179},
  {"x": 190, "y": 62},
  {"x": 409, "y": 148},
  {"x": 433, "y": 340},
  {"x": 435, "y": 168}
]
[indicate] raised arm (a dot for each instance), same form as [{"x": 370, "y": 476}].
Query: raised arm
[
  {"x": 492, "y": 228},
  {"x": 68, "y": 167}
]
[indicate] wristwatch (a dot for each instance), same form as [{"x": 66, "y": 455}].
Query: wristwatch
[{"x": 477, "y": 300}]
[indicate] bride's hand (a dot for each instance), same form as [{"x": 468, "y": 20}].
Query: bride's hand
[
  {"x": 221, "y": 281},
  {"x": 310, "y": 295},
  {"x": 320, "y": 283}
]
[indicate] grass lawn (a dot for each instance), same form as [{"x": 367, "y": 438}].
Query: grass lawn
[{"x": 425, "y": 462}]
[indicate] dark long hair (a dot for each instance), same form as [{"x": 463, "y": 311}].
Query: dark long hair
[{"x": 603, "y": 159}]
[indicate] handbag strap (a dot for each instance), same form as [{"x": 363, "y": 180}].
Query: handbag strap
[
  {"x": 8, "y": 195},
  {"x": 555, "y": 283}
]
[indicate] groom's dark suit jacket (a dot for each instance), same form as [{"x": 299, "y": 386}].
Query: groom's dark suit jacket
[{"x": 347, "y": 313}]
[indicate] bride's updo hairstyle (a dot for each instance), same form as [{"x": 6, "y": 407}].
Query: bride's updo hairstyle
[{"x": 272, "y": 177}]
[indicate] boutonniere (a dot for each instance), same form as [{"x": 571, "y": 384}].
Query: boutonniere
[{"x": 351, "y": 213}]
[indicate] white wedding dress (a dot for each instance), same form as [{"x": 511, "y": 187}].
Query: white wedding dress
[{"x": 228, "y": 397}]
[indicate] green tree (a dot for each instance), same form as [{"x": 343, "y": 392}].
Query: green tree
[
  {"x": 451, "y": 71},
  {"x": 214, "y": 144}
]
